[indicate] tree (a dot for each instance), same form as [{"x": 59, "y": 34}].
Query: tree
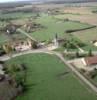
[
  {"x": 92, "y": 74},
  {"x": 2, "y": 52},
  {"x": 77, "y": 54},
  {"x": 34, "y": 45},
  {"x": 69, "y": 45},
  {"x": 18, "y": 73},
  {"x": 90, "y": 53},
  {"x": 8, "y": 49},
  {"x": 66, "y": 44}
]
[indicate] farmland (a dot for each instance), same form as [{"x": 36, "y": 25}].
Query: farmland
[
  {"x": 50, "y": 80},
  {"x": 51, "y": 24},
  {"x": 54, "y": 26},
  {"x": 62, "y": 30},
  {"x": 85, "y": 16},
  {"x": 88, "y": 35}
]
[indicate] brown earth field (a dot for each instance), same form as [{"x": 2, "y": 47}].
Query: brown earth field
[
  {"x": 90, "y": 19},
  {"x": 78, "y": 10},
  {"x": 82, "y": 14}
]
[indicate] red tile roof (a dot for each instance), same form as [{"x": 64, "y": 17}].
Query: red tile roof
[{"x": 91, "y": 60}]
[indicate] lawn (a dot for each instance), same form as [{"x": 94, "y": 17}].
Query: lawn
[
  {"x": 54, "y": 26},
  {"x": 49, "y": 79}
]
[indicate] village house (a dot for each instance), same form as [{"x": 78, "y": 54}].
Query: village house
[
  {"x": 87, "y": 63},
  {"x": 23, "y": 45},
  {"x": 94, "y": 43},
  {"x": 90, "y": 61}
]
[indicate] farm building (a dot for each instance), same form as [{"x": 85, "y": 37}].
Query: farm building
[
  {"x": 23, "y": 45},
  {"x": 94, "y": 43},
  {"x": 87, "y": 63},
  {"x": 90, "y": 61}
]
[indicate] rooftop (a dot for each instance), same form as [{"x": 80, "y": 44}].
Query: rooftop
[{"x": 91, "y": 60}]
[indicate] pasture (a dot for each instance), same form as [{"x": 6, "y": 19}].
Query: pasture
[{"x": 49, "y": 79}]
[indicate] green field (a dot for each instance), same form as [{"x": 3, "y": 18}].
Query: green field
[
  {"x": 49, "y": 79},
  {"x": 66, "y": 15},
  {"x": 16, "y": 15}
]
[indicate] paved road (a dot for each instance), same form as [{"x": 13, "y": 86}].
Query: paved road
[
  {"x": 45, "y": 50},
  {"x": 85, "y": 52},
  {"x": 6, "y": 57}
]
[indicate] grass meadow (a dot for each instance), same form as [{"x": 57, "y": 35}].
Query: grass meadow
[{"x": 49, "y": 79}]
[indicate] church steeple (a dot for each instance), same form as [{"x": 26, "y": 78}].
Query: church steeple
[{"x": 55, "y": 41}]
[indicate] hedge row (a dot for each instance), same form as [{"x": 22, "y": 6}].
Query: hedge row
[{"x": 75, "y": 30}]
